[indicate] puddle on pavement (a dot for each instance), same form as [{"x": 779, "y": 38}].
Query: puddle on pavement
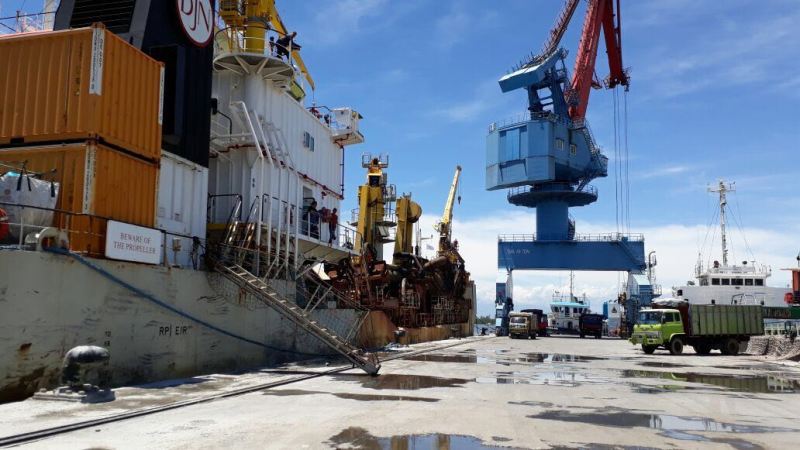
[
  {"x": 356, "y": 437},
  {"x": 569, "y": 379},
  {"x": 402, "y": 381},
  {"x": 661, "y": 364},
  {"x": 762, "y": 384},
  {"x": 674, "y": 427},
  {"x": 753, "y": 384},
  {"x": 504, "y": 359},
  {"x": 560, "y": 357},
  {"x": 351, "y": 396},
  {"x": 433, "y": 357}
]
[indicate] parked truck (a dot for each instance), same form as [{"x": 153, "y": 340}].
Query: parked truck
[
  {"x": 591, "y": 325},
  {"x": 522, "y": 325},
  {"x": 543, "y": 326},
  {"x": 704, "y": 327}
]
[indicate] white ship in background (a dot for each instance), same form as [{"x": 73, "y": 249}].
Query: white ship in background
[{"x": 726, "y": 283}]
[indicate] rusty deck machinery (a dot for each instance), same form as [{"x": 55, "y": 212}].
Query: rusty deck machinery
[{"x": 412, "y": 290}]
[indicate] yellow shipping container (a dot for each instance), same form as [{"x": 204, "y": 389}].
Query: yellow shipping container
[
  {"x": 95, "y": 180},
  {"x": 80, "y": 84}
]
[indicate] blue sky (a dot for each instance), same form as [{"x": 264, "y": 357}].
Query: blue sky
[{"x": 715, "y": 93}]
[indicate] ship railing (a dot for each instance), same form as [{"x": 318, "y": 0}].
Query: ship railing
[
  {"x": 602, "y": 237},
  {"x": 86, "y": 233},
  {"x": 523, "y": 117},
  {"x": 232, "y": 39},
  {"x": 318, "y": 226},
  {"x": 590, "y": 189}
]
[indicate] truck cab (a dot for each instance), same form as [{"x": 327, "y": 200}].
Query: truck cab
[
  {"x": 522, "y": 325},
  {"x": 591, "y": 324},
  {"x": 657, "y": 328}
]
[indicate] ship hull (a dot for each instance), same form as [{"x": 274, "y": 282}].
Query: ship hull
[{"x": 51, "y": 303}]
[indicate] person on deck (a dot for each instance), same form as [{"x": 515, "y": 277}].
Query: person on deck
[
  {"x": 313, "y": 216},
  {"x": 333, "y": 223},
  {"x": 286, "y": 44}
]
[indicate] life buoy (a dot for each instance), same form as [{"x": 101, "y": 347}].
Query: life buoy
[{"x": 3, "y": 224}]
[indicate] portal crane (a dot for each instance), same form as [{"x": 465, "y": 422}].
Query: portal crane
[
  {"x": 549, "y": 158},
  {"x": 445, "y": 227}
]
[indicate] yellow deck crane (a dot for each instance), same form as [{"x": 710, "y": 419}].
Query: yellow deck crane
[
  {"x": 252, "y": 18},
  {"x": 375, "y": 199},
  {"x": 408, "y": 213},
  {"x": 445, "y": 226}
]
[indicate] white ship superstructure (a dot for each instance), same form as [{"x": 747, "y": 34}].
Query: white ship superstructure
[{"x": 727, "y": 283}]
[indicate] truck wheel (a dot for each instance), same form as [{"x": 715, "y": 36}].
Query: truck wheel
[
  {"x": 730, "y": 347},
  {"x": 582, "y": 335},
  {"x": 533, "y": 336},
  {"x": 649, "y": 349},
  {"x": 676, "y": 346},
  {"x": 702, "y": 349},
  {"x": 597, "y": 336}
]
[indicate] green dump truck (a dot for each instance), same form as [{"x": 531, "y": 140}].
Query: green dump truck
[
  {"x": 522, "y": 325},
  {"x": 704, "y": 327}
]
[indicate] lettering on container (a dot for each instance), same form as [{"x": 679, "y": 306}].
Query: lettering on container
[
  {"x": 161, "y": 98},
  {"x": 96, "y": 71},
  {"x": 133, "y": 243},
  {"x": 174, "y": 330}
]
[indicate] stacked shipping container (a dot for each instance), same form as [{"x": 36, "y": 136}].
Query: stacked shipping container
[{"x": 88, "y": 105}]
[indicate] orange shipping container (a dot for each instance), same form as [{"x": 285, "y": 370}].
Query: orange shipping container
[
  {"x": 80, "y": 84},
  {"x": 94, "y": 179}
]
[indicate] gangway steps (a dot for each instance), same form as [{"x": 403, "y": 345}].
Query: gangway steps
[{"x": 290, "y": 310}]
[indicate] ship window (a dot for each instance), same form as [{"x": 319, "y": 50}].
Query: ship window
[
  {"x": 726, "y": 282},
  {"x": 759, "y": 282},
  {"x": 704, "y": 281},
  {"x": 559, "y": 144},
  {"x": 308, "y": 141},
  {"x": 737, "y": 282},
  {"x": 573, "y": 149},
  {"x": 715, "y": 281},
  {"x": 748, "y": 282}
]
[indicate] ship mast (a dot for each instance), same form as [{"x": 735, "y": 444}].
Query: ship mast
[{"x": 722, "y": 189}]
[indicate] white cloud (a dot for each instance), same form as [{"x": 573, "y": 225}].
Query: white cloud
[
  {"x": 452, "y": 28},
  {"x": 666, "y": 171},
  {"x": 338, "y": 20},
  {"x": 745, "y": 50},
  {"x": 676, "y": 248},
  {"x": 485, "y": 98}
]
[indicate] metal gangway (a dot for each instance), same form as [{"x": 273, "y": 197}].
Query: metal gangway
[{"x": 233, "y": 261}]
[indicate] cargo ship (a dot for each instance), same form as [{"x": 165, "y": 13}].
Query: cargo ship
[{"x": 167, "y": 194}]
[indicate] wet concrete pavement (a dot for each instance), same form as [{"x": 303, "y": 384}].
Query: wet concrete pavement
[{"x": 557, "y": 392}]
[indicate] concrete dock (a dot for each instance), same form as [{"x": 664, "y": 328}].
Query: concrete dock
[{"x": 483, "y": 392}]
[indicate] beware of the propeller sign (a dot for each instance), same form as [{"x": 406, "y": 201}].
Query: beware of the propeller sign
[{"x": 197, "y": 20}]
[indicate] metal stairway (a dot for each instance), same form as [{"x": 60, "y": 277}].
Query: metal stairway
[{"x": 262, "y": 291}]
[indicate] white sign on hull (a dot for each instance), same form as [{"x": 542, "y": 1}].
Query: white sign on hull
[{"x": 128, "y": 242}]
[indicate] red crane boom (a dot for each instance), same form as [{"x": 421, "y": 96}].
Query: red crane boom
[{"x": 599, "y": 13}]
